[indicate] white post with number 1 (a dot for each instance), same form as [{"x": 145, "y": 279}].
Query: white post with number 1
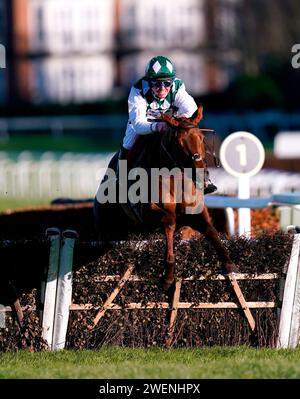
[{"x": 242, "y": 155}]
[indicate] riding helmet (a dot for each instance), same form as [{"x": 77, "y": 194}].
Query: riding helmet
[{"x": 160, "y": 67}]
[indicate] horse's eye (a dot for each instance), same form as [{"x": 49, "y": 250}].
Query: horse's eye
[{"x": 196, "y": 157}]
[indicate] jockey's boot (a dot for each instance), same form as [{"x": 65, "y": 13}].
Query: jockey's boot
[{"x": 210, "y": 188}]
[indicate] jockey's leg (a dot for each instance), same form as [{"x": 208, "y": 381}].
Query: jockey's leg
[
  {"x": 122, "y": 157},
  {"x": 131, "y": 210}
]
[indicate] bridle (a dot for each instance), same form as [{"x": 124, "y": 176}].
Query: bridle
[{"x": 196, "y": 156}]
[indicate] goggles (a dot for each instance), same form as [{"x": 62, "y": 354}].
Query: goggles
[{"x": 161, "y": 83}]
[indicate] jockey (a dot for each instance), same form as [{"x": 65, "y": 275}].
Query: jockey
[{"x": 158, "y": 91}]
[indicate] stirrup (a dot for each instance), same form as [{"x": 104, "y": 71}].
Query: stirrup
[{"x": 210, "y": 188}]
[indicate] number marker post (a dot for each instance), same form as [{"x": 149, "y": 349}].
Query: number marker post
[{"x": 242, "y": 155}]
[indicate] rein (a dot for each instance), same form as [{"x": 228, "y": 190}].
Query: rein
[{"x": 212, "y": 151}]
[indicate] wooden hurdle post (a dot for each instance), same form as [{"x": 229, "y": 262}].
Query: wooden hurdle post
[
  {"x": 16, "y": 306},
  {"x": 241, "y": 299},
  {"x": 112, "y": 296},
  {"x": 175, "y": 302}
]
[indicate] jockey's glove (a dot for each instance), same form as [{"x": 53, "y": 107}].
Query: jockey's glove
[{"x": 160, "y": 127}]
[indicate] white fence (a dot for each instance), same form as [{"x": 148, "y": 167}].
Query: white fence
[
  {"x": 72, "y": 175},
  {"x": 78, "y": 175}
]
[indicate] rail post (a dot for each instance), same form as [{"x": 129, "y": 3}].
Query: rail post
[
  {"x": 48, "y": 289},
  {"x": 64, "y": 289}
]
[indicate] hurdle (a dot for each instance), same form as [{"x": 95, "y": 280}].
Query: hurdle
[{"x": 288, "y": 303}]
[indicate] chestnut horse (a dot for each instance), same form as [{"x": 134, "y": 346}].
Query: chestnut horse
[{"x": 183, "y": 146}]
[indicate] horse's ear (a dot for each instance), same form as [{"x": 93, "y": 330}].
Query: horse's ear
[
  {"x": 169, "y": 120},
  {"x": 197, "y": 115}
]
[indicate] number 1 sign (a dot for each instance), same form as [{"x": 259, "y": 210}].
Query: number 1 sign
[{"x": 242, "y": 155}]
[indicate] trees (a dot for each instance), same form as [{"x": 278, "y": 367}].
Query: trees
[{"x": 267, "y": 28}]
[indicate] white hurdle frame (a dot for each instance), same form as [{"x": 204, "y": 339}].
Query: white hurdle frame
[
  {"x": 64, "y": 289},
  {"x": 48, "y": 294},
  {"x": 58, "y": 290},
  {"x": 289, "y": 324}
]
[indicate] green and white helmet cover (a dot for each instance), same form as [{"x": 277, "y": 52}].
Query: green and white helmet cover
[{"x": 160, "y": 67}]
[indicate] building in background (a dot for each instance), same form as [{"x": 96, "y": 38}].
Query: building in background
[
  {"x": 3, "y": 23},
  {"x": 64, "y": 50},
  {"x": 223, "y": 29},
  {"x": 162, "y": 25},
  {"x": 175, "y": 29},
  {"x": 89, "y": 50},
  {"x": 3, "y": 52},
  {"x": 185, "y": 31}
]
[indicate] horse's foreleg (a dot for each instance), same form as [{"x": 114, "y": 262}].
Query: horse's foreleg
[
  {"x": 212, "y": 235},
  {"x": 169, "y": 276}
]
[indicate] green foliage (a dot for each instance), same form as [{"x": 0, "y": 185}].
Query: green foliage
[
  {"x": 256, "y": 92},
  {"x": 275, "y": 85},
  {"x": 114, "y": 362},
  {"x": 65, "y": 143}
]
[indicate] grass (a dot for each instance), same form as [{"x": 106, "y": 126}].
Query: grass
[
  {"x": 10, "y": 203},
  {"x": 154, "y": 363},
  {"x": 73, "y": 143}
]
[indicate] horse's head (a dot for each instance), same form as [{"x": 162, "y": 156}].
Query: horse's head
[{"x": 189, "y": 136}]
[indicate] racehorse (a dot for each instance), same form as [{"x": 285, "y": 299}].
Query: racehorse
[{"x": 183, "y": 146}]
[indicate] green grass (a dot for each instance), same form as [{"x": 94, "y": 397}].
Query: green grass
[
  {"x": 9, "y": 203},
  {"x": 113, "y": 362}
]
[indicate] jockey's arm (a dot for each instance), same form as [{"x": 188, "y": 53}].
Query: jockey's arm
[
  {"x": 185, "y": 103},
  {"x": 137, "y": 111}
]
